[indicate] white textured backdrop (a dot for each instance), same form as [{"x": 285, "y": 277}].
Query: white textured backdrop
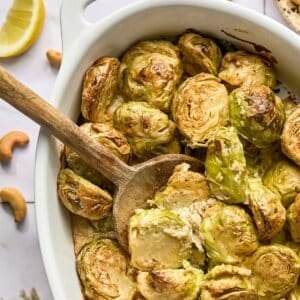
[{"x": 21, "y": 267}]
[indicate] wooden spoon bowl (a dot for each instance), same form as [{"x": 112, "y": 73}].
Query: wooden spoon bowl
[{"x": 135, "y": 185}]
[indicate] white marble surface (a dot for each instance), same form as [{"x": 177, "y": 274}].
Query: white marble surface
[{"x": 21, "y": 267}]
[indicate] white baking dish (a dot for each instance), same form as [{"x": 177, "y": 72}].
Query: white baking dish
[{"x": 83, "y": 43}]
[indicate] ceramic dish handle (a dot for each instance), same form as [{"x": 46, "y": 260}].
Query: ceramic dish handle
[{"x": 72, "y": 20}]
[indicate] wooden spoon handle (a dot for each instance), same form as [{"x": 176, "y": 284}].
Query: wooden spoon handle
[{"x": 37, "y": 109}]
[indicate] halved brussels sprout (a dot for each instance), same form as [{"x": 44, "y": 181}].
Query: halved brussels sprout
[
  {"x": 102, "y": 268},
  {"x": 199, "y": 108},
  {"x": 158, "y": 239},
  {"x": 295, "y": 293},
  {"x": 290, "y": 139},
  {"x": 241, "y": 68},
  {"x": 109, "y": 137},
  {"x": 82, "y": 197},
  {"x": 183, "y": 188},
  {"x": 293, "y": 218},
  {"x": 100, "y": 85},
  {"x": 275, "y": 271},
  {"x": 150, "y": 71},
  {"x": 228, "y": 235},
  {"x": 226, "y": 282},
  {"x": 283, "y": 178},
  {"x": 267, "y": 210},
  {"x": 147, "y": 128},
  {"x": 180, "y": 284},
  {"x": 200, "y": 54},
  {"x": 257, "y": 113},
  {"x": 225, "y": 166}
]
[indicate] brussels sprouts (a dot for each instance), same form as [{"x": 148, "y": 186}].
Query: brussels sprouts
[
  {"x": 100, "y": 85},
  {"x": 244, "y": 68},
  {"x": 226, "y": 282},
  {"x": 283, "y": 178},
  {"x": 257, "y": 113},
  {"x": 225, "y": 166},
  {"x": 158, "y": 239},
  {"x": 267, "y": 211},
  {"x": 183, "y": 188},
  {"x": 147, "y": 128},
  {"x": 182, "y": 284},
  {"x": 102, "y": 268},
  {"x": 295, "y": 293},
  {"x": 82, "y": 197},
  {"x": 228, "y": 235},
  {"x": 293, "y": 218},
  {"x": 199, "y": 108},
  {"x": 150, "y": 71},
  {"x": 290, "y": 139},
  {"x": 109, "y": 137},
  {"x": 275, "y": 271},
  {"x": 200, "y": 54}
]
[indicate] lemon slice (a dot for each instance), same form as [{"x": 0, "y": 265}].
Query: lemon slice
[{"x": 21, "y": 27}]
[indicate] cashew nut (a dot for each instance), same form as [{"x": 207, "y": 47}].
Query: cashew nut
[
  {"x": 9, "y": 141},
  {"x": 16, "y": 201},
  {"x": 54, "y": 58}
]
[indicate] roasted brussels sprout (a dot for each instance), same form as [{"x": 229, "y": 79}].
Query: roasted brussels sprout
[
  {"x": 109, "y": 137},
  {"x": 150, "y": 71},
  {"x": 283, "y": 178},
  {"x": 257, "y": 113},
  {"x": 275, "y": 271},
  {"x": 226, "y": 166},
  {"x": 180, "y": 284},
  {"x": 102, "y": 268},
  {"x": 241, "y": 68},
  {"x": 200, "y": 54},
  {"x": 100, "y": 85},
  {"x": 183, "y": 188},
  {"x": 158, "y": 239},
  {"x": 147, "y": 128},
  {"x": 82, "y": 197},
  {"x": 290, "y": 139},
  {"x": 293, "y": 218},
  {"x": 199, "y": 108},
  {"x": 228, "y": 235},
  {"x": 226, "y": 282},
  {"x": 268, "y": 213}
]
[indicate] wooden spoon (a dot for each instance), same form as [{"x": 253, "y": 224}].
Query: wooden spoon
[{"x": 134, "y": 184}]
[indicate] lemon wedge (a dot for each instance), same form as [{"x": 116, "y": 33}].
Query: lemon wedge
[{"x": 21, "y": 27}]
